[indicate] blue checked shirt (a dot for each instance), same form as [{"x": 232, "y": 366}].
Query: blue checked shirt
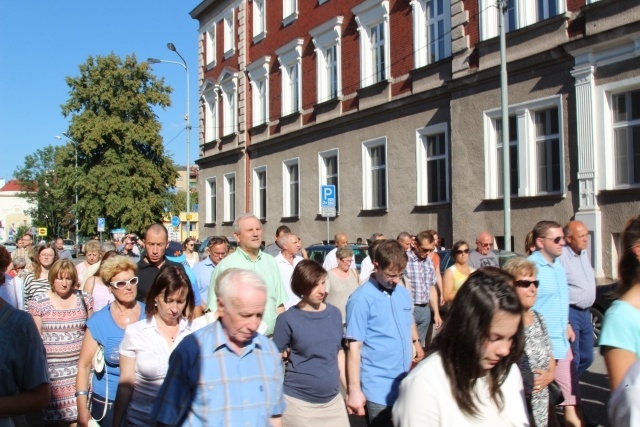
[
  {"x": 208, "y": 384},
  {"x": 422, "y": 276},
  {"x": 553, "y": 302}
]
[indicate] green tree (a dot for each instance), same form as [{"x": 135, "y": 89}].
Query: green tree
[
  {"x": 123, "y": 172},
  {"x": 178, "y": 202},
  {"x": 40, "y": 181}
]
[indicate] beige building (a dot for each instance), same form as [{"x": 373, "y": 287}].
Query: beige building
[
  {"x": 397, "y": 103},
  {"x": 13, "y": 210}
]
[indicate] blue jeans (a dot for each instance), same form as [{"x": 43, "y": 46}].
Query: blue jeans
[
  {"x": 582, "y": 346},
  {"x": 97, "y": 409},
  {"x": 378, "y": 415},
  {"x": 422, "y": 316}
]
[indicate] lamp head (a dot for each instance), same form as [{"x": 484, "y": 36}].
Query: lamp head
[
  {"x": 171, "y": 46},
  {"x": 58, "y": 137},
  {"x": 153, "y": 61}
]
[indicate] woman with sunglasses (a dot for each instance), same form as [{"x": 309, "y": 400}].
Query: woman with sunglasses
[
  {"x": 456, "y": 275},
  {"x": 189, "y": 253},
  {"x": 147, "y": 345},
  {"x": 37, "y": 283},
  {"x": 105, "y": 330},
  {"x": 61, "y": 315},
  {"x": 537, "y": 364}
]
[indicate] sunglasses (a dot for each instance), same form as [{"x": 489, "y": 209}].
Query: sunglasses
[
  {"x": 462, "y": 251},
  {"x": 123, "y": 283},
  {"x": 526, "y": 283},
  {"x": 484, "y": 245},
  {"x": 426, "y": 251},
  {"x": 556, "y": 240}
]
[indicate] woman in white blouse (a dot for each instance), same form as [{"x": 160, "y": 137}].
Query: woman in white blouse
[{"x": 147, "y": 345}]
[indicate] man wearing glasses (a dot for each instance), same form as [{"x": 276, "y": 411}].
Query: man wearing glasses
[
  {"x": 553, "y": 304},
  {"x": 422, "y": 274},
  {"x": 482, "y": 256},
  {"x": 218, "y": 249}
]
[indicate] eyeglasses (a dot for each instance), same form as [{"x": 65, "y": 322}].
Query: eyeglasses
[
  {"x": 426, "y": 251},
  {"x": 123, "y": 283},
  {"x": 393, "y": 276},
  {"x": 484, "y": 245},
  {"x": 555, "y": 240},
  {"x": 526, "y": 283},
  {"x": 462, "y": 251},
  {"x": 47, "y": 255}
]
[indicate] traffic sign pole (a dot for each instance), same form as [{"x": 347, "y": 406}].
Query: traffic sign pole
[{"x": 328, "y": 204}]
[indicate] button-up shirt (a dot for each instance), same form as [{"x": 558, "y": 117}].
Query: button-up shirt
[
  {"x": 203, "y": 271},
  {"x": 580, "y": 277},
  {"x": 209, "y": 384},
  {"x": 553, "y": 301},
  {"x": 266, "y": 267},
  {"x": 422, "y": 276},
  {"x": 286, "y": 271}
]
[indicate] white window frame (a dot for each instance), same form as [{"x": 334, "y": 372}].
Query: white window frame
[
  {"x": 229, "y": 33},
  {"x": 259, "y": 20},
  {"x": 526, "y": 13},
  {"x": 290, "y": 58},
  {"x": 289, "y": 11},
  {"x": 258, "y": 72},
  {"x": 328, "y": 72},
  {"x": 323, "y": 178},
  {"x": 527, "y": 157},
  {"x": 229, "y": 90},
  {"x": 287, "y": 212},
  {"x": 422, "y": 136},
  {"x": 257, "y": 193},
  {"x": 212, "y": 199},
  {"x": 230, "y": 197},
  {"x": 210, "y": 46},
  {"x": 210, "y": 100},
  {"x": 422, "y": 36},
  {"x": 369, "y": 14},
  {"x": 605, "y": 129},
  {"x": 499, "y": 157},
  {"x": 367, "y": 170}
]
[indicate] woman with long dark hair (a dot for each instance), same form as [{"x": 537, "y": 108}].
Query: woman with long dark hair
[
  {"x": 471, "y": 376},
  {"x": 147, "y": 345}
]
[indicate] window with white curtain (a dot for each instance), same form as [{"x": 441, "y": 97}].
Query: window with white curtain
[
  {"x": 290, "y": 57},
  {"x": 291, "y": 188},
  {"x": 374, "y": 173},
  {"x": 372, "y": 17},
  {"x": 326, "y": 39}
]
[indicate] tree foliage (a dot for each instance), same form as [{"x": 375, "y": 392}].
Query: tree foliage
[
  {"x": 178, "y": 202},
  {"x": 124, "y": 173},
  {"x": 40, "y": 181}
]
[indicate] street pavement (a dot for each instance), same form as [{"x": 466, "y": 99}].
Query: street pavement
[{"x": 594, "y": 386}]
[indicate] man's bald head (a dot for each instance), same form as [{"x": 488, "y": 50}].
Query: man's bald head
[
  {"x": 484, "y": 241},
  {"x": 341, "y": 240}
]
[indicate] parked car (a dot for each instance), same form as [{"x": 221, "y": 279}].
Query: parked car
[
  {"x": 70, "y": 245},
  {"x": 11, "y": 246},
  {"x": 604, "y": 299},
  {"x": 318, "y": 253},
  {"x": 446, "y": 260},
  {"x": 205, "y": 244}
]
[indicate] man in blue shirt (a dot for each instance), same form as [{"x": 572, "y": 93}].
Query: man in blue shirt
[
  {"x": 582, "y": 292},
  {"x": 218, "y": 249},
  {"x": 382, "y": 337},
  {"x": 226, "y": 373}
]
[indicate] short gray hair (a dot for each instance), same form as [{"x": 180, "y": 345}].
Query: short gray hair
[
  {"x": 107, "y": 246},
  {"x": 19, "y": 261},
  {"x": 286, "y": 238},
  {"x": 227, "y": 284},
  {"x": 344, "y": 252},
  {"x": 236, "y": 223}
]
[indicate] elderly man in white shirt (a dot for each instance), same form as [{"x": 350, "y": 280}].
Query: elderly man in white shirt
[{"x": 287, "y": 260}]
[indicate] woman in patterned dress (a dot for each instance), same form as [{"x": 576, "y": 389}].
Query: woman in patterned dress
[
  {"x": 37, "y": 282},
  {"x": 537, "y": 364},
  {"x": 61, "y": 315}
]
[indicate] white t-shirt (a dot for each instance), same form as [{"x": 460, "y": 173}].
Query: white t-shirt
[
  {"x": 426, "y": 400},
  {"x": 624, "y": 405},
  {"x": 366, "y": 268},
  {"x": 286, "y": 271}
]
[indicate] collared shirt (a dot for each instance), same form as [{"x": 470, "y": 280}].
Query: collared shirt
[
  {"x": 209, "y": 384},
  {"x": 580, "y": 277},
  {"x": 203, "y": 271},
  {"x": 553, "y": 301},
  {"x": 286, "y": 271},
  {"x": 266, "y": 267},
  {"x": 144, "y": 342},
  {"x": 64, "y": 253},
  {"x": 382, "y": 321},
  {"x": 422, "y": 276}
]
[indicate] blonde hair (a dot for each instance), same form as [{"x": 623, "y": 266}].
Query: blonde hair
[
  {"x": 520, "y": 266},
  {"x": 60, "y": 267},
  {"x": 115, "y": 265},
  {"x": 92, "y": 246}
]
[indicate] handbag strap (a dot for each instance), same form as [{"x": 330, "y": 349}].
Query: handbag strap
[
  {"x": 84, "y": 304},
  {"x": 106, "y": 376}
]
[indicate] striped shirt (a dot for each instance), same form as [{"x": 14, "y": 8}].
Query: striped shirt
[
  {"x": 580, "y": 277},
  {"x": 553, "y": 301},
  {"x": 34, "y": 287},
  {"x": 422, "y": 275},
  {"x": 209, "y": 384}
]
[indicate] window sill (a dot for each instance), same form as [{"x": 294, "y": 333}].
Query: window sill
[
  {"x": 211, "y": 65},
  {"x": 322, "y": 1},
  {"x": 289, "y": 19},
  {"x": 622, "y": 190},
  {"x": 290, "y": 219},
  {"x": 228, "y": 54},
  {"x": 259, "y": 127},
  {"x": 259, "y": 37},
  {"x": 209, "y": 224},
  {"x": 227, "y": 223},
  {"x": 431, "y": 207},
  {"x": 524, "y": 199},
  {"x": 291, "y": 114},
  {"x": 374, "y": 87},
  {"x": 228, "y": 138},
  {"x": 329, "y": 101},
  {"x": 374, "y": 212}
]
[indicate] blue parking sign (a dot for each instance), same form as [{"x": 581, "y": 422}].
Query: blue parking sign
[{"x": 328, "y": 196}]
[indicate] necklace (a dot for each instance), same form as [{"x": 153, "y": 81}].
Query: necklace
[{"x": 125, "y": 314}]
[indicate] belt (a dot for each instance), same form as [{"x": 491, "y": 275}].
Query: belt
[
  {"x": 421, "y": 305},
  {"x": 575, "y": 307}
]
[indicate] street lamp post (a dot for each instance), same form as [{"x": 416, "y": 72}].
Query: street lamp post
[
  {"x": 187, "y": 118},
  {"x": 75, "y": 145}
]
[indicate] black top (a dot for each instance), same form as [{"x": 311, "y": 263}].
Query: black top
[{"x": 147, "y": 274}]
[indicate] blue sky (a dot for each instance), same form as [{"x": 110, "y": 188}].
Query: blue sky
[{"x": 43, "y": 41}]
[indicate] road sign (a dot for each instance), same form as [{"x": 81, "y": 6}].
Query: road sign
[
  {"x": 42, "y": 231},
  {"x": 102, "y": 224},
  {"x": 175, "y": 220},
  {"x": 328, "y": 211},
  {"x": 328, "y": 196}
]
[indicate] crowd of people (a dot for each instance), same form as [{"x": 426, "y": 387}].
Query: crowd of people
[{"x": 145, "y": 333}]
